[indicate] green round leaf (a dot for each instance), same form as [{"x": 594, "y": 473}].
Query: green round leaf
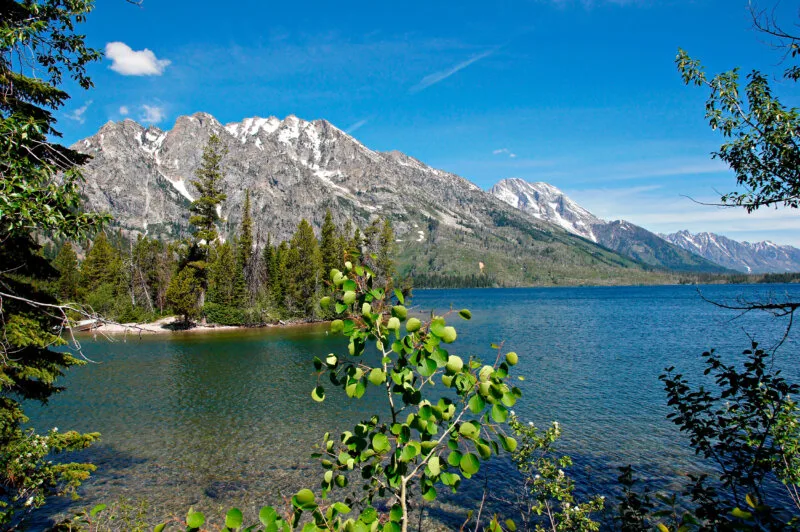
[
  {"x": 499, "y": 413},
  {"x": 400, "y": 312},
  {"x": 234, "y": 518},
  {"x": 449, "y": 335},
  {"x": 466, "y": 314},
  {"x": 304, "y": 499},
  {"x": 325, "y": 302},
  {"x": 413, "y": 325},
  {"x": 512, "y": 358},
  {"x": 267, "y": 515},
  {"x": 349, "y": 297},
  {"x": 377, "y": 376},
  {"x": 337, "y": 326},
  {"x": 468, "y": 430},
  {"x": 380, "y": 443},
  {"x": 454, "y": 364},
  {"x": 469, "y": 464},
  {"x": 433, "y": 465},
  {"x": 195, "y": 519}
]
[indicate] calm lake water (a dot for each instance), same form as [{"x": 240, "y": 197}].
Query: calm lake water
[{"x": 222, "y": 419}]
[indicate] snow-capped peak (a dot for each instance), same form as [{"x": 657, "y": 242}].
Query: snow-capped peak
[{"x": 546, "y": 202}]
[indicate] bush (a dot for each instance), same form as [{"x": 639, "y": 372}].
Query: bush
[{"x": 224, "y": 315}]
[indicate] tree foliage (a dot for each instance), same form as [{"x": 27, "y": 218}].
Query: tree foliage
[
  {"x": 762, "y": 134},
  {"x": 208, "y": 182},
  {"x": 39, "y": 194}
]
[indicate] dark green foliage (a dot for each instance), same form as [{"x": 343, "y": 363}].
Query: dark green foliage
[
  {"x": 184, "y": 292},
  {"x": 208, "y": 183},
  {"x": 304, "y": 269},
  {"x": 748, "y": 430},
  {"x": 331, "y": 245},
  {"x": 279, "y": 276},
  {"x": 68, "y": 274},
  {"x": 224, "y": 314},
  {"x": 39, "y": 195},
  {"x": 225, "y": 276},
  {"x": 436, "y": 280}
]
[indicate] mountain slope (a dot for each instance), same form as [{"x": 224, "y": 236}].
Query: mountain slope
[
  {"x": 297, "y": 169},
  {"x": 759, "y": 257},
  {"x": 546, "y": 202}
]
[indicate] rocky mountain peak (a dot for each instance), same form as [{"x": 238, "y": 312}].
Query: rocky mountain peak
[{"x": 546, "y": 202}]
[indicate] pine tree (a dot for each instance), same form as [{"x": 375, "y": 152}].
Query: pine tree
[
  {"x": 267, "y": 259},
  {"x": 330, "y": 246},
  {"x": 183, "y": 294},
  {"x": 384, "y": 257},
  {"x": 101, "y": 266},
  {"x": 225, "y": 281},
  {"x": 68, "y": 274},
  {"x": 280, "y": 274},
  {"x": 244, "y": 247},
  {"x": 304, "y": 266},
  {"x": 205, "y": 209}
]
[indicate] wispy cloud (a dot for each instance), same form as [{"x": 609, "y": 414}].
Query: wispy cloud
[
  {"x": 130, "y": 62},
  {"x": 504, "y": 151},
  {"x": 78, "y": 113},
  {"x": 152, "y": 114},
  {"x": 124, "y": 111},
  {"x": 355, "y": 127},
  {"x": 436, "y": 77}
]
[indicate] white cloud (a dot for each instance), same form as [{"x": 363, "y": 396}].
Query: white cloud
[
  {"x": 505, "y": 151},
  {"x": 129, "y": 62},
  {"x": 354, "y": 127},
  {"x": 152, "y": 114},
  {"x": 124, "y": 111},
  {"x": 78, "y": 113},
  {"x": 436, "y": 77}
]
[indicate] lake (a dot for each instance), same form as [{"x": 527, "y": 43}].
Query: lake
[{"x": 222, "y": 419}]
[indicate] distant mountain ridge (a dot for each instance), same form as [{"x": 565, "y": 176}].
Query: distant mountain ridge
[
  {"x": 758, "y": 257},
  {"x": 547, "y": 203},
  {"x": 295, "y": 169}
]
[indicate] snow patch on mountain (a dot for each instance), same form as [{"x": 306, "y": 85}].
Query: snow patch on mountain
[
  {"x": 758, "y": 257},
  {"x": 546, "y": 202}
]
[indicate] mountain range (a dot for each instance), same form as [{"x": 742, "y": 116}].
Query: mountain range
[
  {"x": 296, "y": 169},
  {"x": 681, "y": 251}
]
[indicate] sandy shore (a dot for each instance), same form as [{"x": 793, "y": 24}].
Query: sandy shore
[{"x": 173, "y": 325}]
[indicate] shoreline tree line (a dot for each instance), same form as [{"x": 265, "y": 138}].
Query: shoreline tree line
[{"x": 225, "y": 281}]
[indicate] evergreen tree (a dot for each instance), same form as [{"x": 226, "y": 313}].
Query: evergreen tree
[
  {"x": 304, "y": 266},
  {"x": 40, "y": 194},
  {"x": 244, "y": 246},
  {"x": 205, "y": 209},
  {"x": 267, "y": 259},
  {"x": 68, "y": 274},
  {"x": 183, "y": 294},
  {"x": 225, "y": 281},
  {"x": 101, "y": 266},
  {"x": 280, "y": 274},
  {"x": 331, "y": 245},
  {"x": 384, "y": 257}
]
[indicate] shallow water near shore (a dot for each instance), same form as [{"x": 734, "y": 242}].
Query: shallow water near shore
[{"x": 226, "y": 419}]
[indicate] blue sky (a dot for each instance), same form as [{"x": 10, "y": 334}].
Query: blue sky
[{"x": 582, "y": 94}]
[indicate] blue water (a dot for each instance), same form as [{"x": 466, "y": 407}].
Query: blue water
[{"x": 214, "y": 420}]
